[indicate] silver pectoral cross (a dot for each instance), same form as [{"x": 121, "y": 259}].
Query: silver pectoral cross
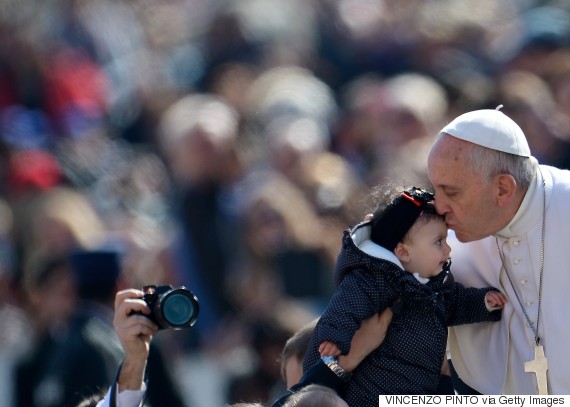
[{"x": 539, "y": 366}]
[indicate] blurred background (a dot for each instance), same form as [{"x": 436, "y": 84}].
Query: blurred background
[{"x": 224, "y": 145}]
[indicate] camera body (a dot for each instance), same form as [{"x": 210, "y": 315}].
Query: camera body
[{"x": 171, "y": 307}]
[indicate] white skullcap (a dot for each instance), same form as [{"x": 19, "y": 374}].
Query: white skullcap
[{"x": 489, "y": 128}]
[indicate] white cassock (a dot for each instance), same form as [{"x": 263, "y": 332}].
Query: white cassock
[{"x": 490, "y": 357}]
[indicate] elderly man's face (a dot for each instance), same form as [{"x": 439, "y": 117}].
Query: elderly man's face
[{"x": 465, "y": 198}]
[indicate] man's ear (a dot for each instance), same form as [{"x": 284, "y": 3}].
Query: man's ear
[
  {"x": 506, "y": 189},
  {"x": 402, "y": 253}
]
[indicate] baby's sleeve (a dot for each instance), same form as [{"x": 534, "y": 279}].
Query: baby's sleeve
[
  {"x": 359, "y": 296},
  {"x": 467, "y": 306}
]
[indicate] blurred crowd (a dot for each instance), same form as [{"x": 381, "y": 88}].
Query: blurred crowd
[{"x": 225, "y": 146}]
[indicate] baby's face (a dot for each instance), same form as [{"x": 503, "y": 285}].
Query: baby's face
[{"x": 428, "y": 248}]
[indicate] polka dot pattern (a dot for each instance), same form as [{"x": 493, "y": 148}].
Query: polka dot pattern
[{"x": 409, "y": 360}]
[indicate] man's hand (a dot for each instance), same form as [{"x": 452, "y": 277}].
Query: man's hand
[
  {"x": 368, "y": 337},
  {"x": 135, "y": 332}
]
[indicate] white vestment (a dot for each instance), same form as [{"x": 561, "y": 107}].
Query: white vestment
[{"x": 490, "y": 357}]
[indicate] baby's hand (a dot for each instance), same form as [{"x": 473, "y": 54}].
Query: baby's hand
[
  {"x": 328, "y": 349},
  {"x": 495, "y": 299}
]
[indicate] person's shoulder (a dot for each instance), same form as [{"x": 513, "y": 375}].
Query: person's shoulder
[
  {"x": 560, "y": 176},
  {"x": 557, "y": 183}
]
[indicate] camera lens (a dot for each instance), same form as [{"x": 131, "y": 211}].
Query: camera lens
[{"x": 179, "y": 308}]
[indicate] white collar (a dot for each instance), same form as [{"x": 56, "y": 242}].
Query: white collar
[
  {"x": 361, "y": 238},
  {"x": 423, "y": 280},
  {"x": 530, "y": 211}
]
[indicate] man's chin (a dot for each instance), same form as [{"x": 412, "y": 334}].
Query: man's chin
[
  {"x": 460, "y": 236},
  {"x": 466, "y": 238}
]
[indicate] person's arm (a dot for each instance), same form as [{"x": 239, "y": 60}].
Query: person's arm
[
  {"x": 467, "y": 305},
  {"x": 368, "y": 337},
  {"x": 495, "y": 300},
  {"x": 343, "y": 310},
  {"x": 127, "y": 398},
  {"x": 135, "y": 333}
]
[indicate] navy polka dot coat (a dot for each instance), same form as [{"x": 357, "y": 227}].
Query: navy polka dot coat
[{"x": 409, "y": 359}]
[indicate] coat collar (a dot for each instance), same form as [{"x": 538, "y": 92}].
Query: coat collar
[
  {"x": 530, "y": 211},
  {"x": 361, "y": 237}
]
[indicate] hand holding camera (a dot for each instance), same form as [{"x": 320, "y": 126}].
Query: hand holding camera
[
  {"x": 171, "y": 308},
  {"x": 138, "y": 316}
]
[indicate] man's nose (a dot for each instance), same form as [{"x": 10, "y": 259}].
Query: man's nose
[{"x": 440, "y": 206}]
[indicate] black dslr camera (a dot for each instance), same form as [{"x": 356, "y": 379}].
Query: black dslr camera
[{"x": 171, "y": 308}]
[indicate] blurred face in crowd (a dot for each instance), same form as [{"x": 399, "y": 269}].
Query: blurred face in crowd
[
  {"x": 266, "y": 230},
  {"x": 194, "y": 159},
  {"x": 53, "y": 300}
]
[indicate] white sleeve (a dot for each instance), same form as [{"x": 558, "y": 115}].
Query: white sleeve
[{"x": 125, "y": 398}]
